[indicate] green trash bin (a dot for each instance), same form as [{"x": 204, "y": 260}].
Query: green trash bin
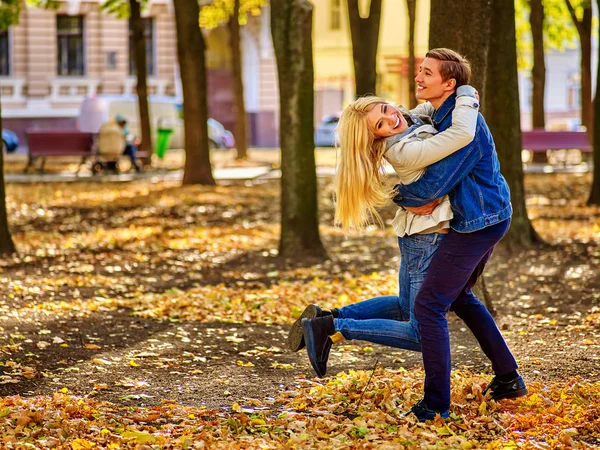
[{"x": 163, "y": 139}]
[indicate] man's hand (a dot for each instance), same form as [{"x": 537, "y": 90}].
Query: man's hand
[{"x": 423, "y": 210}]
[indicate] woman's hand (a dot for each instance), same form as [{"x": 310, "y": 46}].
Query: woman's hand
[{"x": 424, "y": 210}]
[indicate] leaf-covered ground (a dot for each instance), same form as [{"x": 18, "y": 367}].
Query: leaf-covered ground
[{"x": 150, "y": 315}]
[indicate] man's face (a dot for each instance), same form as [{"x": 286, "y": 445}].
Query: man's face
[
  {"x": 430, "y": 85},
  {"x": 385, "y": 120}
]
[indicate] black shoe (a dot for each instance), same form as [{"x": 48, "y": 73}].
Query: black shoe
[
  {"x": 318, "y": 343},
  {"x": 506, "y": 389},
  {"x": 423, "y": 413},
  {"x": 296, "y": 334}
]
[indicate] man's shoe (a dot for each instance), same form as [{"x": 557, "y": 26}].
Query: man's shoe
[
  {"x": 506, "y": 389},
  {"x": 318, "y": 343},
  {"x": 423, "y": 413},
  {"x": 296, "y": 334}
]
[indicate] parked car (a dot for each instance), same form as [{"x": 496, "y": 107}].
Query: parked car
[
  {"x": 98, "y": 110},
  {"x": 325, "y": 134},
  {"x": 10, "y": 141},
  {"x": 219, "y": 136}
]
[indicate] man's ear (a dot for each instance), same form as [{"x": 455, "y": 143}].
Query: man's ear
[{"x": 450, "y": 85}]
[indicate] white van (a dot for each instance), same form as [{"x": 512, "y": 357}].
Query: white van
[{"x": 164, "y": 110}]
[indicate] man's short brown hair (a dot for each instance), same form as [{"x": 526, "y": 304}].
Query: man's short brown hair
[{"x": 453, "y": 65}]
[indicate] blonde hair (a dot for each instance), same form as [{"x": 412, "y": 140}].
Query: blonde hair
[{"x": 359, "y": 184}]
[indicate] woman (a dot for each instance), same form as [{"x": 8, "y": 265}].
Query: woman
[{"x": 371, "y": 130}]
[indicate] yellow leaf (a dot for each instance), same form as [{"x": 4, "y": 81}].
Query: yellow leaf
[
  {"x": 91, "y": 347},
  {"x": 132, "y": 363},
  {"x": 64, "y": 390},
  {"x": 82, "y": 444},
  {"x": 141, "y": 437},
  {"x": 64, "y": 345},
  {"x": 103, "y": 362},
  {"x": 245, "y": 364},
  {"x": 236, "y": 407},
  {"x": 482, "y": 408}
]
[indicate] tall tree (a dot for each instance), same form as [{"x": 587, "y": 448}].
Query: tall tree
[
  {"x": 364, "y": 32},
  {"x": 139, "y": 51},
  {"x": 241, "y": 141},
  {"x": 192, "y": 66},
  {"x": 503, "y": 116},
  {"x": 235, "y": 14},
  {"x": 9, "y": 15},
  {"x": 470, "y": 41},
  {"x": 594, "y": 198},
  {"x": 538, "y": 72},
  {"x": 291, "y": 28},
  {"x": 411, "y": 6},
  {"x": 132, "y": 9},
  {"x": 581, "y": 15}
]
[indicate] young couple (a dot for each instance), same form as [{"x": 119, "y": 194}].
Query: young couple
[{"x": 454, "y": 208}]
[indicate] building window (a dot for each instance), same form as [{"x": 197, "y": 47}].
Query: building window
[
  {"x": 71, "y": 54},
  {"x": 574, "y": 91},
  {"x": 4, "y": 54},
  {"x": 336, "y": 14},
  {"x": 149, "y": 35}
]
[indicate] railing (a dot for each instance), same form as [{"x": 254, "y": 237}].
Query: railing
[
  {"x": 156, "y": 86},
  {"x": 12, "y": 89},
  {"x": 72, "y": 89}
]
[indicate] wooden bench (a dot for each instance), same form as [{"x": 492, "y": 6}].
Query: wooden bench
[
  {"x": 44, "y": 143},
  {"x": 555, "y": 146}
]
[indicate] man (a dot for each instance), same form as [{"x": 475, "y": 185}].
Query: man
[
  {"x": 130, "y": 142},
  {"x": 480, "y": 201}
]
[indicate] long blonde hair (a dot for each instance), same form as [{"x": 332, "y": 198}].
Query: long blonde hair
[{"x": 359, "y": 185}]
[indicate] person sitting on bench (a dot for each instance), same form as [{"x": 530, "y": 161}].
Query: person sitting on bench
[{"x": 131, "y": 143}]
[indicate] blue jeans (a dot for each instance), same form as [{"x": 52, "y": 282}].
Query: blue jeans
[
  {"x": 130, "y": 150},
  {"x": 458, "y": 263},
  {"x": 390, "y": 320}
]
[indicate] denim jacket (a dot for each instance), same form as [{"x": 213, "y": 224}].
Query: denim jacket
[{"x": 478, "y": 192}]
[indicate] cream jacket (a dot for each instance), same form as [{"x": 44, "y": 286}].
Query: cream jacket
[{"x": 411, "y": 153}]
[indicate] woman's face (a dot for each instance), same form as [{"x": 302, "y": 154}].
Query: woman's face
[{"x": 385, "y": 120}]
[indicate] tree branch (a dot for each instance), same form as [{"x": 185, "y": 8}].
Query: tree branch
[{"x": 574, "y": 17}]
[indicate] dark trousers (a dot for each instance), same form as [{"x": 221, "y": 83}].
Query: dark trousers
[
  {"x": 454, "y": 270},
  {"x": 130, "y": 150}
]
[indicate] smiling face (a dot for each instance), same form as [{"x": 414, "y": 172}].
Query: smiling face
[
  {"x": 384, "y": 120},
  {"x": 431, "y": 85}
]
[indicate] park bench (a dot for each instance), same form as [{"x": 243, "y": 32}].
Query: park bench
[
  {"x": 555, "y": 146},
  {"x": 44, "y": 143}
]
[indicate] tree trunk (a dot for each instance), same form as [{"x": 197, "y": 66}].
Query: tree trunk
[
  {"x": 139, "y": 49},
  {"x": 595, "y": 193},
  {"x": 365, "y": 39},
  {"x": 584, "y": 30},
  {"x": 411, "y": 5},
  {"x": 7, "y": 245},
  {"x": 503, "y": 117},
  {"x": 241, "y": 141},
  {"x": 291, "y": 28},
  {"x": 538, "y": 73},
  {"x": 190, "y": 51},
  {"x": 468, "y": 35}
]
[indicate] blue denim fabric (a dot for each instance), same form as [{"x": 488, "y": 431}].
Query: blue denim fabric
[
  {"x": 390, "y": 320},
  {"x": 478, "y": 192},
  {"x": 458, "y": 263}
]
